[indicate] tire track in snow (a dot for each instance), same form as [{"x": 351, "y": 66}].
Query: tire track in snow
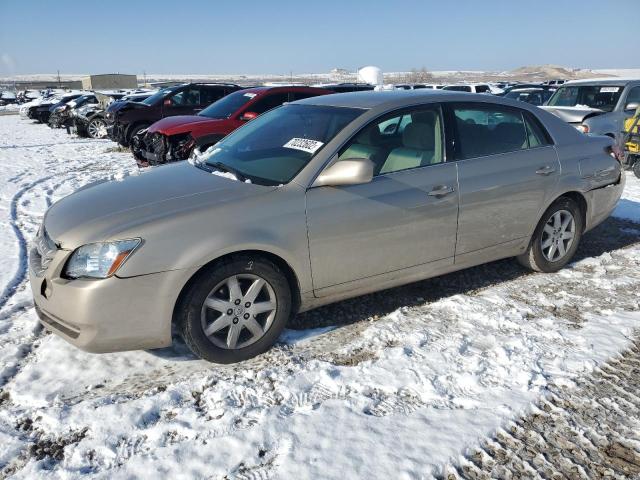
[{"x": 23, "y": 255}]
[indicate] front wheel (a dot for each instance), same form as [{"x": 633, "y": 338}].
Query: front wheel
[
  {"x": 97, "y": 128},
  {"x": 235, "y": 309},
  {"x": 556, "y": 237}
]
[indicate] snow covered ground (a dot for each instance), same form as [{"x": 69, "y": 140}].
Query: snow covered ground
[{"x": 397, "y": 384}]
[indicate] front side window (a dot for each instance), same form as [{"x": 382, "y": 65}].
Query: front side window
[
  {"x": 482, "y": 89},
  {"x": 186, "y": 98},
  {"x": 270, "y": 101},
  {"x": 634, "y": 95},
  {"x": 488, "y": 130},
  {"x": 400, "y": 141},
  {"x": 273, "y": 148},
  {"x": 601, "y": 97}
]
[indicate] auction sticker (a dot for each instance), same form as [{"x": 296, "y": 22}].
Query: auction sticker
[
  {"x": 304, "y": 144},
  {"x": 609, "y": 89}
]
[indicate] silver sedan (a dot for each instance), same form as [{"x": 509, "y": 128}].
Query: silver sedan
[{"x": 314, "y": 202}]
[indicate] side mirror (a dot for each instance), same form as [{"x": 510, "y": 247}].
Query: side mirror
[
  {"x": 167, "y": 102},
  {"x": 248, "y": 116},
  {"x": 632, "y": 106},
  {"x": 351, "y": 171}
]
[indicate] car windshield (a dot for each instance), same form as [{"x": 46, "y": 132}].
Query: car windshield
[
  {"x": 227, "y": 106},
  {"x": 273, "y": 148},
  {"x": 602, "y": 97},
  {"x": 158, "y": 96}
]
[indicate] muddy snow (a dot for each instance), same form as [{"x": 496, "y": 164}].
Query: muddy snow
[{"x": 399, "y": 384}]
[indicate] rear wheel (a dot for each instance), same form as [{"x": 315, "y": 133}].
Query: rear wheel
[
  {"x": 556, "y": 237},
  {"x": 97, "y": 128},
  {"x": 235, "y": 309},
  {"x": 636, "y": 167}
]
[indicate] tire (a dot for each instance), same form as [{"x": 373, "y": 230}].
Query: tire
[
  {"x": 215, "y": 285},
  {"x": 548, "y": 233},
  {"x": 97, "y": 128},
  {"x": 133, "y": 132},
  {"x": 636, "y": 167}
]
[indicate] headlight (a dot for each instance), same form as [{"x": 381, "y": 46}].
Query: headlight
[
  {"x": 100, "y": 260},
  {"x": 583, "y": 128}
]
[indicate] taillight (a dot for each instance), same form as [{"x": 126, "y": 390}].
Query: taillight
[{"x": 583, "y": 128}]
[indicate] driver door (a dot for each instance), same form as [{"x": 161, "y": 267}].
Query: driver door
[
  {"x": 184, "y": 102},
  {"x": 402, "y": 222}
]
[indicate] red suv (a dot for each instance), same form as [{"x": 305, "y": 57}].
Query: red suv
[{"x": 174, "y": 138}]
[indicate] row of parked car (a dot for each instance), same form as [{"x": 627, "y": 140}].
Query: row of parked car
[{"x": 161, "y": 126}]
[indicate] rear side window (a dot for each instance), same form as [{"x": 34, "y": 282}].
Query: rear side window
[
  {"x": 488, "y": 130},
  {"x": 536, "y": 134}
]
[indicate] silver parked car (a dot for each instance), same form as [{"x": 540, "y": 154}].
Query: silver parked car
[
  {"x": 313, "y": 202},
  {"x": 596, "y": 107}
]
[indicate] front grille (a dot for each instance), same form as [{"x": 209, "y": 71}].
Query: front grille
[{"x": 42, "y": 253}]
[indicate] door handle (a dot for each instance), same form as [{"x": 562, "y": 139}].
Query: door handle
[
  {"x": 546, "y": 170},
  {"x": 441, "y": 191}
]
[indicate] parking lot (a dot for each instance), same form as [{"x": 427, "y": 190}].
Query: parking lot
[{"x": 490, "y": 372}]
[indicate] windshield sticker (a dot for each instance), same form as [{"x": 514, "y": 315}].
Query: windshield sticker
[
  {"x": 304, "y": 144},
  {"x": 609, "y": 89},
  {"x": 250, "y": 95}
]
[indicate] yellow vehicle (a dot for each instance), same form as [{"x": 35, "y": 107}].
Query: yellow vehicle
[{"x": 631, "y": 143}]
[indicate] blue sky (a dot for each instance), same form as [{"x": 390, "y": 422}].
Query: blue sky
[{"x": 206, "y": 36}]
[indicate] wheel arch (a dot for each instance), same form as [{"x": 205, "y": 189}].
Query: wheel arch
[{"x": 287, "y": 270}]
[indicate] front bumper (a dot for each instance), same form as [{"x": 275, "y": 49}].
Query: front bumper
[{"x": 107, "y": 315}]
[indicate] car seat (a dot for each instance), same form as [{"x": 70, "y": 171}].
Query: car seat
[{"x": 420, "y": 144}]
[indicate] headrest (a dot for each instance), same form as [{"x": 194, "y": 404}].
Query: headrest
[
  {"x": 419, "y": 136},
  {"x": 369, "y": 136}
]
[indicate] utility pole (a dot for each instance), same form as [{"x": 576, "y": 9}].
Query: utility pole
[{"x": 59, "y": 85}]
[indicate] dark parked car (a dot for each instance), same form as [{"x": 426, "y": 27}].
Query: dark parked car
[
  {"x": 61, "y": 116},
  {"x": 42, "y": 111},
  {"x": 174, "y": 138},
  {"x": 519, "y": 86},
  {"x": 534, "y": 96},
  {"x": 125, "y": 119}
]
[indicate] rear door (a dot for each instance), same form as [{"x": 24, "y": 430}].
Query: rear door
[
  {"x": 507, "y": 170},
  {"x": 405, "y": 217}
]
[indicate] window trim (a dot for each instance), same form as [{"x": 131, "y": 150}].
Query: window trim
[
  {"x": 394, "y": 113},
  {"x": 452, "y": 125}
]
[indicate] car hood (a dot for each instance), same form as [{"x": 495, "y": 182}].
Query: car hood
[
  {"x": 179, "y": 123},
  {"x": 102, "y": 211},
  {"x": 572, "y": 114}
]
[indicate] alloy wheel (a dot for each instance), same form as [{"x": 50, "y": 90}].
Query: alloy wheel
[
  {"x": 238, "y": 311},
  {"x": 558, "y": 235},
  {"x": 97, "y": 129}
]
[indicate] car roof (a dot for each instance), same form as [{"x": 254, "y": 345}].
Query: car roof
[
  {"x": 283, "y": 88},
  {"x": 395, "y": 98},
  {"x": 603, "y": 81}
]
